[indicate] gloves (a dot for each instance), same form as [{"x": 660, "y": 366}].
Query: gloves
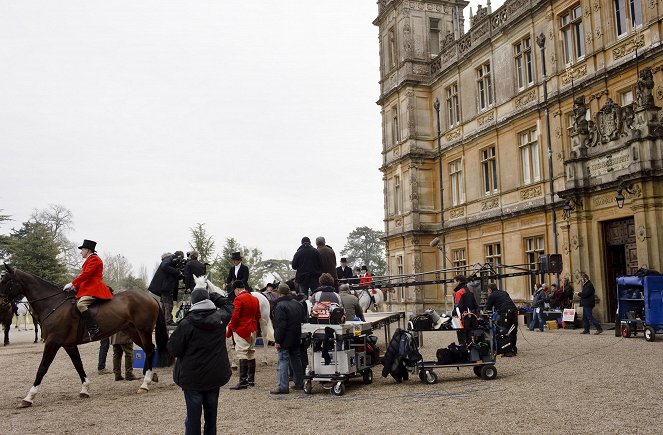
[{"x": 68, "y": 287}]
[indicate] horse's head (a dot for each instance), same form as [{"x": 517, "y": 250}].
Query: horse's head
[
  {"x": 10, "y": 286},
  {"x": 201, "y": 282}
]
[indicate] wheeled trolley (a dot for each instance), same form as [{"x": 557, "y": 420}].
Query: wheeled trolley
[
  {"x": 639, "y": 306},
  {"x": 339, "y": 353},
  {"x": 482, "y": 362}
]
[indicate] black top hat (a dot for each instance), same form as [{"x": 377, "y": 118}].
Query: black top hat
[
  {"x": 344, "y": 260},
  {"x": 236, "y": 256},
  {"x": 88, "y": 244},
  {"x": 364, "y": 268}
]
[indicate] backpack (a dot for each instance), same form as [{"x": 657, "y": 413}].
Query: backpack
[
  {"x": 421, "y": 322},
  {"x": 327, "y": 312}
]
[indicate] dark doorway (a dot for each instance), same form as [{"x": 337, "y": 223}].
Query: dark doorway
[{"x": 620, "y": 258}]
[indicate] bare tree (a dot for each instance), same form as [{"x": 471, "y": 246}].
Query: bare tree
[
  {"x": 116, "y": 269},
  {"x": 59, "y": 220}
]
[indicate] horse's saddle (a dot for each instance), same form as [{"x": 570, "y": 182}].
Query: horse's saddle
[{"x": 93, "y": 308}]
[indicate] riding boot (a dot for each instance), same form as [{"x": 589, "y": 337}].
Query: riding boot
[
  {"x": 251, "y": 377},
  {"x": 90, "y": 325},
  {"x": 243, "y": 375}
]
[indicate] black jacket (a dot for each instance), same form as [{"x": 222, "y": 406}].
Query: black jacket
[
  {"x": 165, "y": 278},
  {"x": 199, "y": 344},
  {"x": 587, "y": 295},
  {"x": 307, "y": 262},
  {"x": 242, "y": 275},
  {"x": 344, "y": 274},
  {"x": 500, "y": 301},
  {"x": 193, "y": 267},
  {"x": 288, "y": 318}
]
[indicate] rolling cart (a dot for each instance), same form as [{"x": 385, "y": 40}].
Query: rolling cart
[
  {"x": 640, "y": 306},
  {"x": 348, "y": 357},
  {"x": 483, "y": 365}
]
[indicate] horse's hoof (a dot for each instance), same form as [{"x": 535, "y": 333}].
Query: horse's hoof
[
  {"x": 24, "y": 404},
  {"x": 142, "y": 390},
  {"x": 84, "y": 395},
  {"x": 155, "y": 377}
]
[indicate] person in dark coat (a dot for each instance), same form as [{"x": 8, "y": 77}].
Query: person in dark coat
[
  {"x": 464, "y": 302},
  {"x": 239, "y": 272},
  {"x": 344, "y": 272},
  {"x": 308, "y": 264},
  {"x": 328, "y": 257},
  {"x": 507, "y": 315},
  {"x": 587, "y": 303},
  {"x": 539, "y": 300},
  {"x": 193, "y": 268},
  {"x": 202, "y": 365},
  {"x": 164, "y": 284},
  {"x": 288, "y": 318}
]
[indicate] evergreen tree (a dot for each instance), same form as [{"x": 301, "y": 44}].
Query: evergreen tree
[
  {"x": 33, "y": 249},
  {"x": 365, "y": 247}
]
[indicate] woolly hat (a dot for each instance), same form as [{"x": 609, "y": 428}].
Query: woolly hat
[
  {"x": 199, "y": 294},
  {"x": 284, "y": 289},
  {"x": 306, "y": 240}
]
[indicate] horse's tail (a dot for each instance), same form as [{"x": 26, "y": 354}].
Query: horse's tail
[{"x": 161, "y": 334}]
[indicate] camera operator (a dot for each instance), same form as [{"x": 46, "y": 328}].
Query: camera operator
[
  {"x": 193, "y": 267},
  {"x": 165, "y": 282}
]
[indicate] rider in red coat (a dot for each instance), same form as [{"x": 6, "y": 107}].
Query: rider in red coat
[
  {"x": 89, "y": 286},
  {"x": 243, "y": 328}
]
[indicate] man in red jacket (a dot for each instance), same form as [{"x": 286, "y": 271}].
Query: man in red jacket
[
  {"x": 88, "y": 286},
  {"x": 243, "y": 328}
]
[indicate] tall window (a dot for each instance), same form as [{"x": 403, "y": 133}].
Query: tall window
[
  {"x": 489, "y": 166},
  {"x": 573, "y": 36},
  {"x": 398, "y": 197},
  {"x": 434, "y": 36},
  {"x": 626, "y": 97},
  {"x": 399, "y": 265},
  {"x": 523, "y": 58},
  {"x": 493, "y": 254},
  {"x": 533, "y": 248},
  {"x": 628, "y": 15},
  {"x": 459, "y": 260},
  {"x": 529, "y": 155},
  {"x": 391, "y": 48},
  {"x": 484, "y": 86},
  {"x": 453, "y": 105},
  {"x": 456, "y": 175},
  {"x": 395, "y": 127}
]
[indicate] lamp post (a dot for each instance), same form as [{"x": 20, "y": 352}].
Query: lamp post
[
  {"x": 541, "y": 42},
  {"x": 443, "y": 248}
]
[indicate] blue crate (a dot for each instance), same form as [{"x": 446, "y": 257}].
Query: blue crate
[{"x": 139, "y": 358}]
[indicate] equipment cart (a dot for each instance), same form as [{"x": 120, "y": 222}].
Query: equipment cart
[
  {"x": 640, "y": 305},
  {"x": 348, "y": 355},
  {"x": 483, "y": 365}
]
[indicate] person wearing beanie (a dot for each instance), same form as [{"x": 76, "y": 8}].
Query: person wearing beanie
[
  {"x": 201, "y": 365},
  {"x": 243, "y": 329},
  {"x": 288, "y": 318},
  {"x": 308, "y": 264}
]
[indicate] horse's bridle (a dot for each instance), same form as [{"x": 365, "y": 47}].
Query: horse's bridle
[{"x": 12, "y": 282}]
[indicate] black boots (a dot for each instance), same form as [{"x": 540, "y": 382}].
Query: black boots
[
  {"x": 90, "y": 325},
  {"x": 243, "y": 375},
  {"x": 251, "y": 378}
]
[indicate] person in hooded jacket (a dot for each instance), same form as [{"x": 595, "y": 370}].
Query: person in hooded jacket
[{"x": 202, "y": 364}]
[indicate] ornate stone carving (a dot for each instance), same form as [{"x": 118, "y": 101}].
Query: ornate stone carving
[
  {"x": 490, "y": 204},
  {"x": 644, "y": 97},
  {"x": 399, "y": 221},
  {"x": 598, "y": 95},
  {"x": 641, "y": 234},
  {"x": 453, "y": 134},
  {"x": 598, "y": 33},
  {"x": 558, "y": 133},
  {"x": 530, "y": 193},
  {"x": 526, "y": 98},
  {"x": 574, "y": 73},
  {"x": 465, "y": 43},
  {"x": 652, "y": 4},
  {"x": 407, "y": 39},
  {"x": 448, "y": 40},
  {"x": 629, "y": 46},
  {"x": 597, "y": 5},
  {"x": 457, "y": 212},
  {"x": 588, "y": 8},
  {"x": 576, "y": 242},
  {"x": 579, "y": 114},
  {"x": 659, "y": 92},
  {"x": 486, "y": 119},
  {"x": 609, "y": 121}
]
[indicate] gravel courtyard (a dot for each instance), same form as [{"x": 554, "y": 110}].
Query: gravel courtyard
[{"x": 560, "y": 382}]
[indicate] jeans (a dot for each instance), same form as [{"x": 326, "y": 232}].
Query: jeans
[
  {"x": 104, "y": 345},
  {"x": 289, "y": 358},
  {"x": 537, "y": 316},
  {"x": 587, "y": 317},
  {"x": 196, "y": 402}
]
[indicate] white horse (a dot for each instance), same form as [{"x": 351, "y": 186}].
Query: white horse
[
  {"x": 265, "y": 320},
  {"x": 365, "y": 302}
]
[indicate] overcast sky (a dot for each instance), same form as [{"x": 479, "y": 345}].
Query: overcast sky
[{"x": 146, "y": 117}]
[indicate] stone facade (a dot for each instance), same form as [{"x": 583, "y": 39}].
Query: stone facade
[{"x": 494, "y": 203}]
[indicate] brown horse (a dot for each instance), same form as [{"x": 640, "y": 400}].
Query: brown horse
[
  {"x": 134, "y": 312},
  {"x": 6, "y": 314}
]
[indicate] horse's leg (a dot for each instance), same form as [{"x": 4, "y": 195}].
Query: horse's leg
[
  {"x": 75, "y": 356},
  {"x": 265, "y": 339},
  {"x": 50, "y": 350},
  {"x": 149, "y": 375},
  {"x": 34, "y": 322},
  {"x": 7, "y": 328}
]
